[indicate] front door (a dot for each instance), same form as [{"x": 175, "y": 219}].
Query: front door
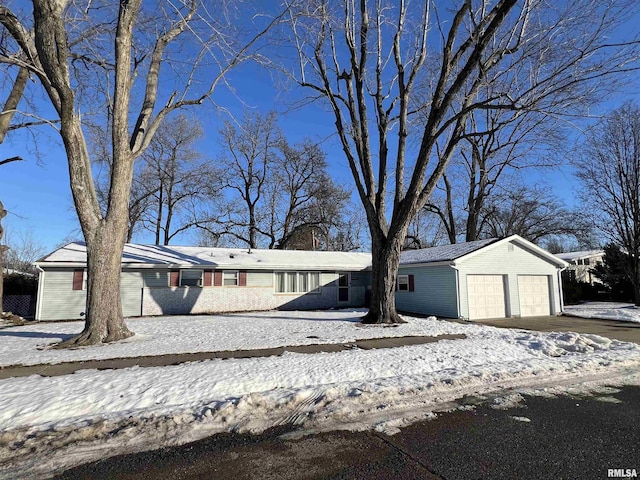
[{"x": 343, "y": 288}]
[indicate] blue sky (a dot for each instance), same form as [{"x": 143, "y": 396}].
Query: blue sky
[{"x": 37, "y": 195}]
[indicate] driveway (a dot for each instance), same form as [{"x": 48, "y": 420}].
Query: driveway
[{"x": 625, "y": 331}]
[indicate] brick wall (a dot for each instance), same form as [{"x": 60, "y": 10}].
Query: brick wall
[{"x": 184, "y": 300}]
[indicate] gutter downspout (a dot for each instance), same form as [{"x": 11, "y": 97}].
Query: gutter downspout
[
  {"x": 560, "y": 270},
  {"x": 39, "y": 293},
  {"x": 453, "y": 265}
]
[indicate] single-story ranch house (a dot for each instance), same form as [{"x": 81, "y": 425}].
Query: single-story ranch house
[{"x": 509, "y": 277}]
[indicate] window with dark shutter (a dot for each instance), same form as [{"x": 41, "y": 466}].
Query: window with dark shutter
[
  {"x": 412, "y": 285},
  {"x": 174, "y": 278}
]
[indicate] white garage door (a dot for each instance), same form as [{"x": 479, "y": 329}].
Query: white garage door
[
  {"x": 486, "y": 296},
  {"x": 534, "y": 295}
]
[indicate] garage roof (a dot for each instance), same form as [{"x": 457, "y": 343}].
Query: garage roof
[
  {"x": 460, "y": 251},
  {"x": 443, "y": 253}
]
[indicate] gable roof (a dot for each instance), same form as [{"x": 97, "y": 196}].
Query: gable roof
[
  {"x": 443, "y": 253},
  {"x": 146, "y": 256},
  {"x": 462, "y": 251},
  {"x": 568, "y": 256}
]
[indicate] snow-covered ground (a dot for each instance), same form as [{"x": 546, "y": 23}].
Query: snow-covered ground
[
  {"x": 51, "y": 423},
  {"x": 625, "y": 312},
  {"x": 208, "y": 333}
]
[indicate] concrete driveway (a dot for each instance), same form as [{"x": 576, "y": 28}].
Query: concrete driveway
[{"x": 625, "y": 331}]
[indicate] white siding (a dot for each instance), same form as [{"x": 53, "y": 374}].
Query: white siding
[
  {"x": 511, "y": 260},
  {"x": 58, "y": 300},
  {"x": 259, "y": 279},
  {"x": 131, "y": 293},
  {"x": 434, "y": 294}
]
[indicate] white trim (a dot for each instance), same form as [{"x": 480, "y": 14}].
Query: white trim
[
  {"x": 212, "y": 266},
  {"x": 406, "y": 278},
  {"x": 348, "y": 287},
  {"x": 442, "y": 263},
  {"x": 237, "y": 274},
  {"x": 200, "y": 282},
  {"x": 315, "y": 291},
  {"x": 518, "y": 239},
  {"x": 39, "y": 294}
]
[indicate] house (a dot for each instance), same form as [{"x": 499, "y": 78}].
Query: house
[
  {"x": 581, "y": 265},
  {"x": 494, "y": 278},
  {"x": 169, "y": 280}
]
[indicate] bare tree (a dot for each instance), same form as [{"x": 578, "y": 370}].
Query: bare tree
[
  {"x": 89, "y": 54},
  {"x": 3, "y": 249},
  {"x": 302, "y": 197},
  {"x": 277, "y": 194},
  {"x": 23, "y": 251},
  {"x": 173, "y": 174},
  {"x": 249, "y": 152},
  {"x": 364, "y": 59},
  {"x": 496, "y": 143},
  {"x": 609, "y": 171},
  {"x": 533, "y": 213}
]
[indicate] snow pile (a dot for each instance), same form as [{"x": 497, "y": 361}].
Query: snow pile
[
  {"x": 51, "y": 423},
  {"x": 558, "y": 344},
  {"x": 624, "y": 312}
]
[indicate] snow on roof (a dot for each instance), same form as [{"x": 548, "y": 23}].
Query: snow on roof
[
  {"x": 443, "y": 253},
  {"x": 134, "y": 254},
  {"x": 568, "y": 256}
]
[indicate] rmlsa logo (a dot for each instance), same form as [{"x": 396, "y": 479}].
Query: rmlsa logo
[{"x": 622, "y": 473}]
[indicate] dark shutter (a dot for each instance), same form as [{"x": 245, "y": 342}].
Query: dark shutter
[
  {"x": 242, "y": 278},
  {"x": 174, "y": 278},
  {"x": 208, "y": 278},
  {"x": 78, "y": 277},
  {"x": 217, "y": 278},
  {"x": 412, "y": 285}
]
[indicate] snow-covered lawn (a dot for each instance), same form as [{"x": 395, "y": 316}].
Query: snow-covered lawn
[
  {"x": 208, "y": 333},
  {"x": 625, "y": 312},
  {"x": 51, "y": 423}
]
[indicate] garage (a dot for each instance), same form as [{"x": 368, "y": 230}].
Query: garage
[
  {"x": 533, "y": 292},
  {"x": 483, "y": 279},
  {"x": 486, "y": 296}
]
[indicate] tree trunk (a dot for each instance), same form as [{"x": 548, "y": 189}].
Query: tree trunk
[
  {"x": 385, "y": 260},
  {"x": 3, "y": 213},
  {"x": 104, "y": 320}
]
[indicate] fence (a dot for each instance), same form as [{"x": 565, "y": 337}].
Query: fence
[{"x": 23, "y": 305}]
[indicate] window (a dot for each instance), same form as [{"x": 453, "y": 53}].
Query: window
[
  {"x": 230, "y": 278},
  {"x": 297, "y": 282},
  {"x": 403, "y": 283},
  {"x": 191, "y": 278}
]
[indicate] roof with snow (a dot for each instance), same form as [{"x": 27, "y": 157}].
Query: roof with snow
[
  {"x": 443, "y": 253},
  {"x": 175, "y": 256},
  {"x": 568, "y": 256}
]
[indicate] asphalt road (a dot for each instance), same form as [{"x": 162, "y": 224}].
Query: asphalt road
[{"x": 545, "y": 438}]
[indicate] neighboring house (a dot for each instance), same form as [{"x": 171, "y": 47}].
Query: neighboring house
[
  {"x": 510, "y": 277},
  {"x": 168, "y": 280},
  {"x": 581, "y": 265}
]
